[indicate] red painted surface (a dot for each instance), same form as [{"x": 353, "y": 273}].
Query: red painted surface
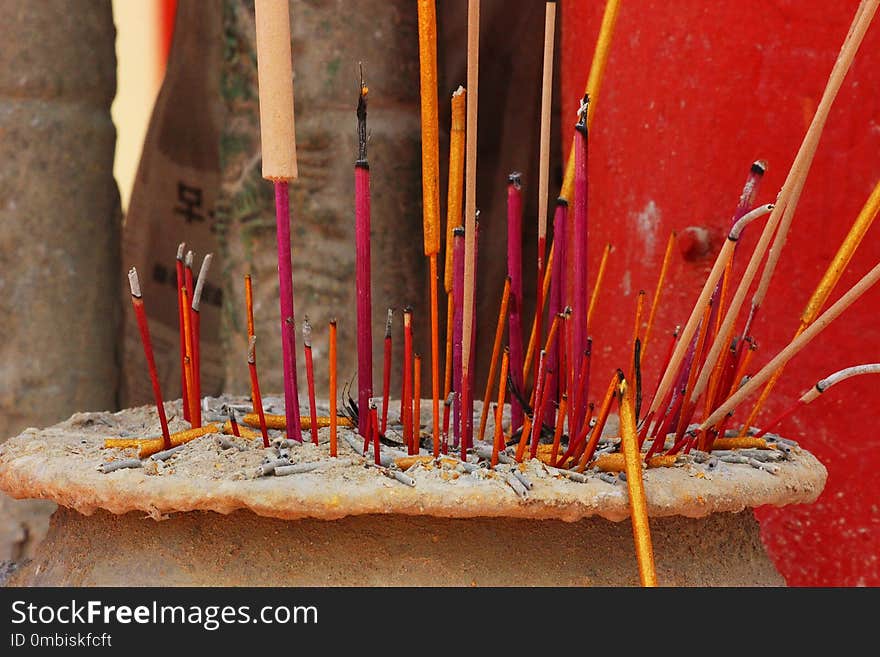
[{"x": 694, "y": 92}]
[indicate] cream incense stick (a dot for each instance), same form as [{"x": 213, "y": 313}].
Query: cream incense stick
[
  {"x": 792, "y": 184},
  {"x": 546, "y": 103},
  {"x": 197, "y": 323},
  {"x": 794, "y": 347},
  {"x": 278, "y": 139},
  {"x": 470, "y": 204},
  {"x": 698, "y": 310}
]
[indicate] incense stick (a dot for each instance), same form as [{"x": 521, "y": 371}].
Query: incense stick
[
  {"x": 546, "y": 107},
  {"x": 514, "y": 273},
  {"x": 407, "y": 378},
  {"x": 594, "y": 82},
  {"x": 181, "y": 282},
  {"x": 194, "y": 404},
  {"x": 580, "y": 303},
  {"x": 658, "y": 291},
  {"x": 417, "y": 404},
  {"x": 457, "y": 295},
  {"x": 498, "y": 439},
  {"x": 470, "y": 205},
  {"x": 600, "y": 278},
  {"x": 822, "y": 386},
  {"x": 363, "y": 277},
  {"x": 310, "y": 377},
  {"x": 638, "y": 503},
  {"x": 257, "y": 398},
  {"x": 195, "y": 306},
  {"x": 386, "y": 371},
  {"x": 431, "y": 185},
  {"x": 332, "y": 393},
  {"x": 496, "y": 350},
  {"x": 140, "y": 313}
]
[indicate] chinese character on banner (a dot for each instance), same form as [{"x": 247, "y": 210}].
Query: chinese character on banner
[{"x": 189, "y": 202}]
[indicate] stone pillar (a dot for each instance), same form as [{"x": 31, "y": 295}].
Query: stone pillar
[{"x": 59, "y": 209}]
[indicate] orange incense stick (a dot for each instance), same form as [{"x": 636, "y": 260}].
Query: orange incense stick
[
  {"x": 310, "y": 378},
  {"x": 249, "y": 304},
  {"x": 640, "y": 302},
  {"x": 417, "y": 404},
  {"x": 138, "y": 303},
  {"x": 194, "y": 403},
  {"x": 496, "y": 349},
  {"x": 256, "y": 398},
  {"x": 498, "y": 440},
  {"x": 658, "y": 291},
  {"x": 530, "y": 419},
  {"x": 181, "y": 282},
  {"x": 601, "y": 419},
  {"x": 431, "y": 186},
  {"x": 638, "y": 503},
  {"x": 560, "y": 422},
  {"x": 600, "y": 277}
]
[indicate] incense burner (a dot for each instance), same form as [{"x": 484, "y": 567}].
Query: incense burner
[{"x": 205, "y": 516}]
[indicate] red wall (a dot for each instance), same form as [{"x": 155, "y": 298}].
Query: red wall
[{"x": 693, "y": 93}]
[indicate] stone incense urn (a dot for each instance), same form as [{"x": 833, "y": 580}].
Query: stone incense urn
[{"x": 208, "y": 516}]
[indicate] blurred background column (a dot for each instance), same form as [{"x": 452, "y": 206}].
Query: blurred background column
[{"x": 59, "y": 212}]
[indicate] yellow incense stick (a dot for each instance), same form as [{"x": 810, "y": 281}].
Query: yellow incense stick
[
  {"x": 658, "y": 291},
  {"x": 600, "y": 277}
]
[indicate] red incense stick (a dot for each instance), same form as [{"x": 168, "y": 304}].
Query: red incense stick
[
  {"x": 498, "y": 441},
  {"x": 332, "y": 359},
  {"x": 181, "y": 282},
  {"x": 256, "y": 398},
  {"x": 373, "y": 416},
  {"x": 386, "y": 371},
  {"x": 417, "y": 403},
  {"x": 138, "y": 303},
  {"x": 310, "y": 378},
  {"x": 362, "y": 240},
  {"x": 233, "y": 424}
]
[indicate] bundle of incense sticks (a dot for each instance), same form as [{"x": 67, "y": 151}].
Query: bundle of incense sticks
[{"x": 707, "y": 370}]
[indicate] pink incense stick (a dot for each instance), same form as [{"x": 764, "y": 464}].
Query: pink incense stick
[
  {"x": 457, "y": 330},
  {"x": 580, "y": 301},
  {"x": 285, "y": 294},
  {"x": 557, "y": 302},
  {"x": 514, "y": 271},
  {"x": 467, "y": 387},
  {"x": 362, "y": 240}
]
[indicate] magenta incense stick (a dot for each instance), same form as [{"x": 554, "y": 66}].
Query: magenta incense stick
[
  {"x": 514, "y": 271},
  {"x": 580, "y": 301},
  {"x": 467, "y": 387},
  {"x": 557, "y": 303},
  {"x": 285, "y": 292},
  {"x": 457, "y": 330},
  {"x": 362, "y": 256}
]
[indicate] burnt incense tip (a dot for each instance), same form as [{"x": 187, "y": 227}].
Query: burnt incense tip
[
  {"x": 388, "y": 323},
  {"x": 188, "y": 260},
  {"x": 459, "y": 91},
  {"x": 252, "y": 350},
  {"x": 561, "y": 202},
  {"x": 449, "y": 398},
  {"x": 180, "y": 249},
  {"x": 581, "y": 125},
  {"x": 200, "y": 283},
  {"x": 759, "y": 167},
  {"x": 458, "y": 231},
  {"x": 134, "y": 283},
  {"x": 307, "y": 332},
  {"x": 333, "y": 322},
  {"x": 620, "y": 376},
  {"x": 515, "y": 178},
  {"x": 362, "y": 119}
]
